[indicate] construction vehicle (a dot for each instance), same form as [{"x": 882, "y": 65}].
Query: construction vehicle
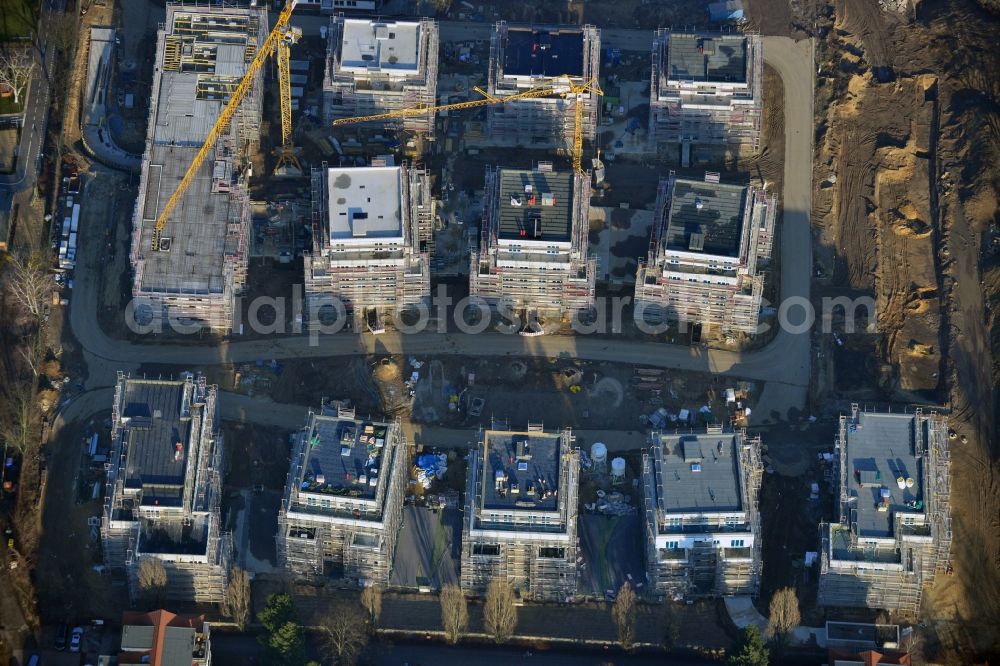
[
  {"x": 575, "y": 90},
  {"x": 281, "y": 34}
]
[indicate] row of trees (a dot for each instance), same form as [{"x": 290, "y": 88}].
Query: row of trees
[{"x": 345, "y": 627}]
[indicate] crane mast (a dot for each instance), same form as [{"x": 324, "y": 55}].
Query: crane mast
[{"x": 288, "y": 161}]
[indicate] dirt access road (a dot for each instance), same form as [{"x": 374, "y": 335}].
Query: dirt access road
[{"x": 783, "y": 365}]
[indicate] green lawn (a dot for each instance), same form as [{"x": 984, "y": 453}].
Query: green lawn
[
  {"x": 7, "y": 104},
  {"x": 18, "y": 19}
]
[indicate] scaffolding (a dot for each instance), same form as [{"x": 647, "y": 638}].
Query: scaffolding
[
  {"x": 715, "y": 109},
  {"x": 535, "y": 554},
  {"x": 204, "y": 51},
  {"x": 371, "y": 276},
  {"x": 534, "y": 281},
  {"x": 675, "y": 284},
  {"x": 183, "y": 534},
  {"x": 350, "y": 92},
  {"x": 890, "y": 572},
  {"x": 354, "y": 539},
  {"x": 543, "y": 122},
  {"x": 693, "y": 554}
]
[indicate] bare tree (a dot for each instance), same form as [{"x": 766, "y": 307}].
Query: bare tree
[
  {"x": 236, "y": 603},
  {"x": 63, "y": 31},
  {"x": 371, "y": 599},
  {"x": 16, "y": 68},
  {"x": 20, "y": 422},
  {"x": 28, "y": 282},
  {"x": 783, "y": 614},
  {"x": 499, "y": 610},
  {"x": 342, "y": 632},
  {"x": 624, "y": 616},
  {"x": 454, "y": 613},
  {"x": 441, "y": 6},
  {"x": 152, "y": 579}
]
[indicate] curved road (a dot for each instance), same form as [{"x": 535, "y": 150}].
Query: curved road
[{"x": 783, "y": 364}]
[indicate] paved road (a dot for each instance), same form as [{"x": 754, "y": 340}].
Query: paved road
[
  {"x": 783, "y": 365},
  {"x": 33, "y": 124}
]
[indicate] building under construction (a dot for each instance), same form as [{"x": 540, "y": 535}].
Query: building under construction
[
  {"x": 706, "y": 249},
  {"x": 894, "y": 530},
  {"x": 520, "y": 513},
  {"x": 200, "y": 262},
  {"x": 533, "y": 249},
  {"x": 343, "y": 503},
  {"x": 522, "y": 58},
  {"x": 706, "y": 89},
  {"x": 375, "y": 66},
  {"x": 371, "y": 226},
  {"x": 702, "y": 523},
  {"x": 164, "y": 485}
]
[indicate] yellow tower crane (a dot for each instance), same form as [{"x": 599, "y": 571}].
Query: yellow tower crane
[
  {"x": 551, "y": 90},
  {"x": 277, "y": 35},
  {"x": 288, "y": 161}
]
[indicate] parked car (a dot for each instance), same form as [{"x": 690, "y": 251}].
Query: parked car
[
  {"x": 76, "y": 640},
  {"x": 60, "y": 640}
]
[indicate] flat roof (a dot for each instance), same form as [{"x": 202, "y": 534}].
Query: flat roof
[
  {"x": 212, "y": 56},
  {"x": 543, "y": 52},
  {"x": 706, "y": 218},
  {"x": 343, "y": 457},
  {"x": 880, "y": 449},
  {"x": 521, "y": 470},
  {"x": 158, "y": 440},
  {"x": 365, "y": 202},
  {"x": 196, "y": 228},
  {"x": 700, "y": 473},
  {"x": 170, "y": 645},
  {"x": 535, "y": 205},
  {"x": 383, "y": 45},
  {"x": 707, "y": 57},
  {"x": 192, "y": 539}
]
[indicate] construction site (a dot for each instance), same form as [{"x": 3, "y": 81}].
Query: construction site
[
  {"x": 189, "y": 241},
  {"x": 520, "y": 517},
  {"x": 706, "y": 93},
  {"x": 894, "y": 534},
  {"x": 533, "y": 256},
  {"x": 564, "y": 59},
  {"x": 709, "y": 244},
  {"x": 163, "y": 488},
  {"x": 377, "y": 66},
  {"x": 343, "y": 502},
  {"x": 702, "y": 526},
  {"x": 371, "y": 227}
]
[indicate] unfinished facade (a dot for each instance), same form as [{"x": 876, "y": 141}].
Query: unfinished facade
[
  {"x": 369, "y": 246},
  {"x": 702, "y": 524},
  {"x": 894, "y": 532},
  {"x": 533, "y": 249},
  {"x": 200, "y": 263},
  {"x": 522, "y": 58},
  {"x": 707, "y": 245},
  {"x": 706, "y": 89},
  {"x": 164, "y": 485},
  {"x": 343, "y": 503},
  {"x": 520, "y": 513},
  {"x": 378, "y": 66}
]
